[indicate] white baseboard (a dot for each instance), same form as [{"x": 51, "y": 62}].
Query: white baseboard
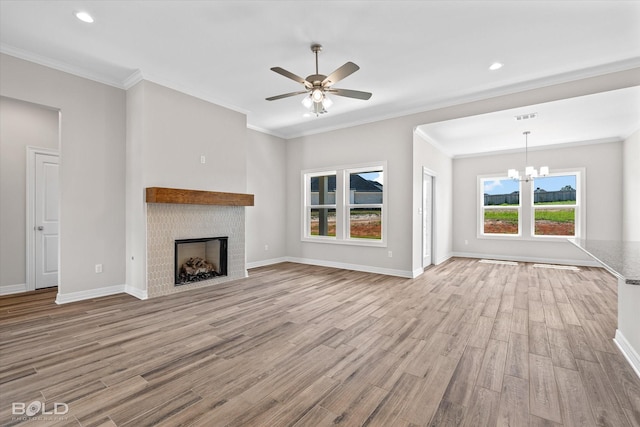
[
  {"x": 628, "y": 351},
  {"x": 13, "y": 289},
  {"x": 92, "y": 293},
  {"x": 356, "y": 267},
  {"x": 136, "y": 292},
  {"x": 264, "y": 263},
  {"x": 541, "y": 260},
  {"x": 444, "y": 258}
]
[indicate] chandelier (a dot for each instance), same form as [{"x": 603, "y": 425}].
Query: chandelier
[{"x": 530, "y": 173}]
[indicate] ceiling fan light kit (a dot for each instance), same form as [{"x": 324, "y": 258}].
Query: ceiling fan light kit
[{"x": 317, "y": 86}]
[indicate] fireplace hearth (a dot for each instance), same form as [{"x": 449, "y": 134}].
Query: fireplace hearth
[{"x": 200, "y": 259}]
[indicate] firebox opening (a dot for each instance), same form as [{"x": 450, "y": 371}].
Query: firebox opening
[{"x": 200, "y": 259}]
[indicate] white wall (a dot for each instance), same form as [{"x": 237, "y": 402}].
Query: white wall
[
  {"x": 168, "y": 132},
  {"x": 631, "y": 188},
  {"x": 602, "y": 204},
  {"x": 426, "y": 155},
  {"x": 92, "y": 169},
  {"x": 22, "y": 124},
  {"x": 392, "y": 140},
  {"x": 266, "y": 180},
  {"x": 389, "y": 141}
]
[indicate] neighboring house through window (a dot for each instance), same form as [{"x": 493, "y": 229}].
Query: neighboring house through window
[{"x": 345, "y": 205}]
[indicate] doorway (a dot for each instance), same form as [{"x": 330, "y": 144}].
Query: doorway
[
  {"x": 428, "y": 191},
  {"x": 42, "y": 218}
]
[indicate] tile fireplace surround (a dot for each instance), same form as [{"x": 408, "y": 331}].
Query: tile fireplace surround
[{"x": 184, "y": 214}]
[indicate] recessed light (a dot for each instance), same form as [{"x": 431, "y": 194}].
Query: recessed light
[
  {"x": 495, "y": 66},
  {"x": 84, "y": 17}
]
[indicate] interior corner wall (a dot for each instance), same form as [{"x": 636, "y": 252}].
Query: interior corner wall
[
  {"x": 602, "y": 204},
  {"x": 22, "y": 125},
  {"x": 631, "y": 188},
  {"x": 266, "y": 180},
  {"x": 92, "y": 169},
  {"x": 168, "y": 132},
  {"x": 426, "y": 155}
]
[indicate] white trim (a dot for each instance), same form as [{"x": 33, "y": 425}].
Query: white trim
[
  {"x": 578, "y": 262},
  {"x": 60, "y": 66},
  {"x": 89, "y": 294},
  {"x": 341, "y": 204},
  {"x": 444, "y": 258},
  {"x": 13, "y": 289},
  {"x": 136, "y": 292},
  {"x": 434, "y": 216},
  {"x": 628, "y": 351},
  {"x": 30, "y": 248},
  {"x": 355, "y": 267},
  {"x": 266, "y": 262},
  {"x": 133, "y": 79}
]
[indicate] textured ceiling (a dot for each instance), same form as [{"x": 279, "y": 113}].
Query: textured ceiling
[{"x": 414, "y": 55}]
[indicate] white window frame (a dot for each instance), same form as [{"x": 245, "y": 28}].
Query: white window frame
[
  {"x": 579, "y": 211},
  {"x": 482, "y": 208},
  {"x": 526, "y": 217},
  {"x": 342, "y": 204}
]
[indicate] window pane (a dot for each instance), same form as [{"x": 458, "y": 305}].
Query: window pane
[
  {"x": 501, "y": 192},
  {"x": 323, "y": 190},
  {"x": 500, "y": 221},
  {"x": 555, "y": 190},
  {"x": 323, "y": 222},
  {"x": 365, "y": 188},
  {"x": 555, "y": 222},
  {"x": 365, "y": 223}
]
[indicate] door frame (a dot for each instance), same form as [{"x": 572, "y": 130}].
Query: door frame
[
  {"x": 428, "y": 172},
  {"x": 31, "y": 215}
]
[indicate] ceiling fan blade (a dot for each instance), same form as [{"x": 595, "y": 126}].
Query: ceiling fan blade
[
  {"x": 290, "y": 75},
  {"x": 350, "y": 93},
  {"x": 339, "y": 74},
  {"x": 285, "y": 95}
]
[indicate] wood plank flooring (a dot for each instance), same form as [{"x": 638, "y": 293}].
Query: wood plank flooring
[{"x": 465, "y": 344}]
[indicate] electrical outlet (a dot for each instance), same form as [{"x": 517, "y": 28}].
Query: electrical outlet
[
  {"x": 203, "y": 159},
  {"x": 466, "y": 242},
  {"x": 266, "y": 247},
  {"x": 98, "y": 268},
  {"x": 390, "y": 254}
]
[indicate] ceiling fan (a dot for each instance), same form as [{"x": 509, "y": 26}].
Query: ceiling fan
[{"x": 317, "y": 85}]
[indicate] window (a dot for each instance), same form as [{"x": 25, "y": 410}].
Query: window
[
  {"x": 322, "y": 209},
  {"x": 500, "y": 201},
  {"x": 555, "y": 205},
  {"x": 345, "y": 205}
]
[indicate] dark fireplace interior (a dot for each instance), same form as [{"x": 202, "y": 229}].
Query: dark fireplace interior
[{"x": 200, "y": 259}]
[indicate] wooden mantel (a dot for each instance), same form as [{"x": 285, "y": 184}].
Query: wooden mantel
[{"x": 197, "y": 197}]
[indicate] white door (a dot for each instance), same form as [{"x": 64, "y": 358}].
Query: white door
[
  {"x": 427, "y": 219},
  {"x": 46, "y": 220}
]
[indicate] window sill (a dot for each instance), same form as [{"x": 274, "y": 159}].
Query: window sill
[
  {"x": 351, "y": 242},
  {"x": 513, "y": 237}
]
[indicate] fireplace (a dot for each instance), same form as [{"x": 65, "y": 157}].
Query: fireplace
[{"x": 200, "y": 259}]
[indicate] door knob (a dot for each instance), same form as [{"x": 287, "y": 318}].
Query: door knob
[{"x": 40, "y": 228}]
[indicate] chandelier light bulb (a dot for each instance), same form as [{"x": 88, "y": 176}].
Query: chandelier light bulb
[{"x": 530, "y": 172}]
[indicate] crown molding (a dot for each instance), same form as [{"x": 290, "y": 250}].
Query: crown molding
[{"x": 59, "y": 65}]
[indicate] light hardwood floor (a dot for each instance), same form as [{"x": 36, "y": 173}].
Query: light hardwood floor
[{"x": 467, "y": 343}]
